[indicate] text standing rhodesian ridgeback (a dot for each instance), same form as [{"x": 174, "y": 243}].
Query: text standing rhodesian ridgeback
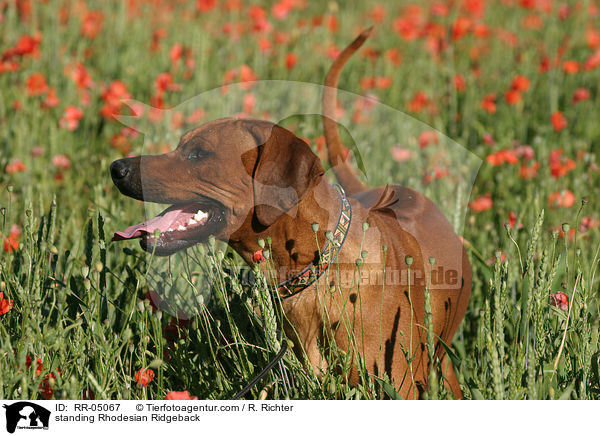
[{"x": 242, "y": 179}]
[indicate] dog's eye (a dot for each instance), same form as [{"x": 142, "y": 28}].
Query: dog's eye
[{"x": 196, "y": 154}]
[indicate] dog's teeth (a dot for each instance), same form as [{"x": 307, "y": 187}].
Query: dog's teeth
[
  {"x": 181, "y": 228},
  {"x": 200, "y": 215},
  {"x": 191, "y": 222},
  {"x": 170, "y": 230}
]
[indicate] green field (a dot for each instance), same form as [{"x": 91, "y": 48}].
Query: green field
[{"x": 514, "y": 82}]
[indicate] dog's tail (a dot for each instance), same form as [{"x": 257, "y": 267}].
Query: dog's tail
[{"x": 338, "y": 157}]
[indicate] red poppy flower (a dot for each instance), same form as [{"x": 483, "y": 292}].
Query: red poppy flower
[
  {"x": 559, "y": 164},
  {"x": 205, "y": 5},
  {"x": 502, "y": 156},
  {"x": 260, "y": 23},
  {"x": 332, "y": 52},
  {"x": 15, "y": 166},
  {"x": 520, "y": 83},
  {"x": 5, "y": 304},
  {"x": 482, "y": 203},
  {"x": 524, "y": 151},
  {"x": 508, "y": 38},
  {"x": 428, "y": 137},
  {"x": 558, "y": 121},
  {"x": 91, "y": 23},
  {"x": 564, "y": 10},
  {"x": 400, "y": 154},
  {"x": 157, "y": 36},
  {"x": 587, "y": 223},
  {"x": 460, "y": 27},
  {"x": 532, "y": 21},
  {"x": 332, "y": 23},
  {"x": 36, "y": 84},
  {"x": 71, "y": 117},
  {"x": 51, "y": 99},
  {"x": 122, "y": 140},
  {"x": 281, "y": 9},
  {"x": 564, "y": 198},
  {"x": 367, "y": 83},
  {"x": 40, "y": 366},
  {"x": 544, "y": 65},
  {"x": 512, "y": 220},
  {"x": 418, "y": 102},
  {"x": 46, "y": 387},
  {"x": 580, "y": 94},
  {"x": 560, "y": 300},
  {"x": 258, "y": 257},
  {"x": 481, "y": 30},
  {"x": 407, "y": 27},
  {"x": 459, "y": 83},
  {"x": 61, "y": 161},
  {"x": 249, "y": 102},
  {"x": 439, "y": 9},
  {"x": 179, "y": 395},
  {"x": 593, "y": 61},
  {"x": 290, "y": 60},
  {"x": 474, "y": 7},
  {"x": 383, "y": 82},
  {"x": 571, "y": 67},
  {"x": 377, "y": 13},
  {"x": 529, "y": 171},
  {"x": 489, "y": 103},
  {"x": 164, "y": 82},
  {"x": 112, "y": 97},
  {"x": 437, "y": 173},
  {"x": 394, "y": 56},
  {"x": 144, "y": 376},
  {"x": 26, "y": 45},
  {"x": 592, "y": 38},
  {"x": 512, "y": 96},
  {"x": 80, "y": 76},
  {"x": 196, "y": 116},
  {"x": 176, "y": 53},
  {"x": 247, "y": 75}
]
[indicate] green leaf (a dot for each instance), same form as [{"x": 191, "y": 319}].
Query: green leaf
[{"x": 389, "y": 389}]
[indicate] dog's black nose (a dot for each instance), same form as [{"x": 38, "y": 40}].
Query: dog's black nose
[{"x": 119, "y": 169}]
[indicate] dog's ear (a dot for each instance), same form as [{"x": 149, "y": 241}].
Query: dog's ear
[{"x": 286, "y": 169}]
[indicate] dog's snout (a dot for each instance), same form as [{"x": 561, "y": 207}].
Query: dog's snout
[
  {"x": 127, "y": 176},
  {"x": 119, "y": 169}
]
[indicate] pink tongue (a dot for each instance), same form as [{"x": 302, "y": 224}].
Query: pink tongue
[{"x": 170, "y": 218}]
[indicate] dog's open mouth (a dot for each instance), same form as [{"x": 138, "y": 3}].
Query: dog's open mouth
[{"x": 177, "y": 227}]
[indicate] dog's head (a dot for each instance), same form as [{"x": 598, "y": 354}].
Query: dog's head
[{"x": 223, "y": 174}]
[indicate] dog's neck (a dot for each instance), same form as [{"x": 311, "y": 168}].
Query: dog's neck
[{"x": 298, "y": 248}]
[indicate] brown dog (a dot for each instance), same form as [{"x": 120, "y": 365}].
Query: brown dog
[{"x": 241, "y": 180}]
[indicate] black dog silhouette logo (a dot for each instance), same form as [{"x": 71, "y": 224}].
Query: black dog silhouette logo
[{"x": 26, "y": 415}]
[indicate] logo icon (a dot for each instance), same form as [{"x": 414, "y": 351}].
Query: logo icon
[{"x": 26, "y": 415}]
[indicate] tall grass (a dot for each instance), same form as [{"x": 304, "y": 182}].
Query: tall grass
[{"x": 80, "y": 302}]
